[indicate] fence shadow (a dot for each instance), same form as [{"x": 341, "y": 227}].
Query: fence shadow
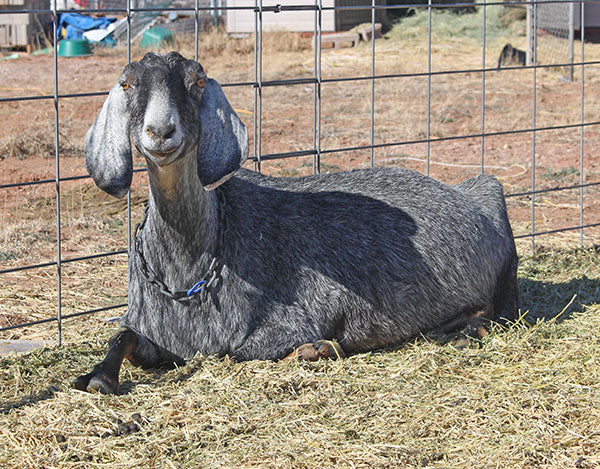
[
  {"x": 32, "y": 398},
  {"x": 545, "y": 300}
]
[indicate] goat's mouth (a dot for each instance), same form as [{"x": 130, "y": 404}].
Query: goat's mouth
[
  {"x": 163, "y": 154},
  {"x": 164, "y": 157}
]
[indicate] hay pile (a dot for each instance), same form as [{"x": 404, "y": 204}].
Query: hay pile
[{"x": 526, "y": 397}]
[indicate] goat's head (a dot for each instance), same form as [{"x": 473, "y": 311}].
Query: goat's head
[{"x": 168, "y": 108}]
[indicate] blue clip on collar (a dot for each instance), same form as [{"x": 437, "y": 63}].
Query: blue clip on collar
[{"x": 196, "y": 288}]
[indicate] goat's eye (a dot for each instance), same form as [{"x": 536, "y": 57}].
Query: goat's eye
[
  {"x": 200, "y": 82},
  {"x": 125, "y": 85}
]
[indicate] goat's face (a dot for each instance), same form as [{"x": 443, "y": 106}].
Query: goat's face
[
  {"x": 167, "y": 108},
  {"x": 163, "y": 96}
]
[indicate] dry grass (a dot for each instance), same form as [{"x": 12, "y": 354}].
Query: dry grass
[
  {"x": 94, "y": 223},
  {"x": 526, "y": 397},
  {"x": 38, "y": 139},
  {"x": 215, "y": 42}
]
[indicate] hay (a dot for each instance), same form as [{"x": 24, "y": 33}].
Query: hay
[
  {"x": 445, "y": 23},
  {"x": 38, "y": 140},
  {"x": 525, "y": 397}
]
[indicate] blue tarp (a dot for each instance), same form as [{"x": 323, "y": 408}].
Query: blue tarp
[{"x": 76, "y": 24}]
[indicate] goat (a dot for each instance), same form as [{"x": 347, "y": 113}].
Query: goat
[{"x": 232, "y": 262}]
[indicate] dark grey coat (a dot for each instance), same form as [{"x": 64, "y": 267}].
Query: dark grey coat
[{"x": 370, "y": 258}]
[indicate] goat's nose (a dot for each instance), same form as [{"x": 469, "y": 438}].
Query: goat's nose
[{"x": 164, "y": 131}]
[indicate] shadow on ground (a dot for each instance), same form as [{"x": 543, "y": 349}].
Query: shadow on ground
[
  {"x": 545, "y": 300},
  {"x": 29, "y": 399}
]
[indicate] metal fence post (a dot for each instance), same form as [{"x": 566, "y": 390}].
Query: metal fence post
[
  {"x": 530, "y": 34},
  {"x": 484, "y": 42},
  {"x": 582, "y": 128},
  {"x": 571, "y": 38},
  {"x": 428, "y": 87},
  {"x": 372, "y": 133},
  {"x": 318, "y": 80},
  {"x": 533, "y": 134},
  {"x": 57, "y": 179}
]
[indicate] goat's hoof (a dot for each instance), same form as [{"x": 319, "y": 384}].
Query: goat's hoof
[
  {"x": 318, "y": 350},
  {"x": 461, "y": 342},
  {"x": 96, "y": 382},
  {"x": 468, "y": 337},
  {"x": 103, "y": 385},
  {"x": 81, "y": 382}
]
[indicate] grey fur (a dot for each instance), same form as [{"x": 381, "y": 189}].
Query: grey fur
[
  {"x": 111, "y": 168},
  {"x": 370, "y": 258}
]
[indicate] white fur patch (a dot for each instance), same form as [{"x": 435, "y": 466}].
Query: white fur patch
[{"x": 159, "y": 113}]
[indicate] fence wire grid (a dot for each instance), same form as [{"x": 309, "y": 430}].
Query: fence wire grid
[
  {"x": 555, "y": 35},
  {"x": 318, "y": 86}
]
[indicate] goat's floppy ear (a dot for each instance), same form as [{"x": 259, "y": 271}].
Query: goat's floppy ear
[
  {"x": 223, "y": 142},
  {"x": 107, "y": 146}
]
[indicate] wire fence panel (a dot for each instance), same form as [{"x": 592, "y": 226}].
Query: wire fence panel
[
  {"x": 555, "y": 32},
  {"x": 436, "y": 92}
]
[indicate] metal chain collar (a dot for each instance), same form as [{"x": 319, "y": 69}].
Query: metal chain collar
[{"x": 208, "y": 280}]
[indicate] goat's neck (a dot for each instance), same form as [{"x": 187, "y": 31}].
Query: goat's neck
[{"x": 182, "y": 205}]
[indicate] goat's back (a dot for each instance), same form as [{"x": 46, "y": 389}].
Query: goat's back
[{"x": 381, "y": 252}]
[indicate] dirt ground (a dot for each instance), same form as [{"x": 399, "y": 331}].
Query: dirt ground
[{"x": 92, "y": 222}]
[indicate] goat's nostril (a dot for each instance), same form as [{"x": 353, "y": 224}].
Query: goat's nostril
[
  {"x": 163, "y": 131},
  {"x": 169, "y": 133}
]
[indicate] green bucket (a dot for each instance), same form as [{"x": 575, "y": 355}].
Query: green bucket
[
  {"x": 74, "y": 48},
  {"x": 156, "y": 37}
]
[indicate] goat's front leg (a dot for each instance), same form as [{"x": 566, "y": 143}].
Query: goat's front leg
[
  {"x": 104, "y": 377},
  {"x": 139, "y": 350}
]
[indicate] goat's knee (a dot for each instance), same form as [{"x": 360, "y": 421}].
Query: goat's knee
[{"x": 147, "y": 355}]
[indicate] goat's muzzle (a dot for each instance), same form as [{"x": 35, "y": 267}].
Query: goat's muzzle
[{"x": 163, "y": 154}]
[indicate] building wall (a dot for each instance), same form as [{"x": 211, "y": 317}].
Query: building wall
[
  {"x": 592, "y": 15},
  {"x": 242, "y": 21}
]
